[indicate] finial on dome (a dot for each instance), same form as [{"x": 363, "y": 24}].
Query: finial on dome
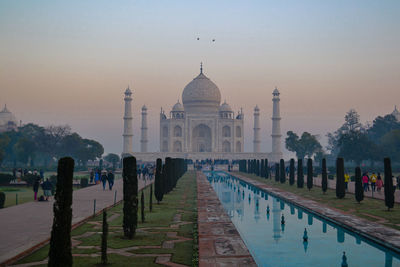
[{"x": 201, "y": 67}]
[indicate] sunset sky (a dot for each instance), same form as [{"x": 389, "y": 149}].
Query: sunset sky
[{"x": 69, "y": 62}]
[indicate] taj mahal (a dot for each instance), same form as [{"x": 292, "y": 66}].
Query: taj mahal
[{"x": 201, "y": 127}]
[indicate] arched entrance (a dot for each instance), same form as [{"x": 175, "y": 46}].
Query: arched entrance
[{"x": 201, "y": 138}]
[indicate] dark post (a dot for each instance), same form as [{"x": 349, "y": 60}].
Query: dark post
[
  {"x": 151, "y": 198},
  {"x": 282, "y": 171},
  {"x": 277, "y": 178},
  {"x": 142, "y": 206},
  {"x": 309, "y": 174},
  {"x": 340, "y": 188},
  {"x": 60, "y": 241},
  {"x": 388, "y": 186},
  {"x": 130, "y": 190},
  {"x": 158, "y": 183},
  {"x": 300, "y": 177},
  {"x": 104, "y": 240},
  {"x": 324, "y": 182},
  {"x": 266, "y": 169},
  {"x": 291, "y": 172},
  {"x": 359, "y": 191}
]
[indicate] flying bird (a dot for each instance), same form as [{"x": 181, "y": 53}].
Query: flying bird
[
  {"x": 198, "y": 38},
  {"x": 213, "y": 40}
]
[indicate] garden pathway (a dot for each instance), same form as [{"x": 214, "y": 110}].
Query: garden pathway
[{"x": 29, "y": 225}]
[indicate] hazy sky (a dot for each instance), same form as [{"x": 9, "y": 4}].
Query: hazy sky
[{"x": 69, "y": 62}]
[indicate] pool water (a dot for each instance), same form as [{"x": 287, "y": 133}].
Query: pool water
[{"x": 272, "y": 243}]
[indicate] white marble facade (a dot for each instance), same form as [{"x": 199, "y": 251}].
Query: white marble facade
[{"x": 201, "y": 124}]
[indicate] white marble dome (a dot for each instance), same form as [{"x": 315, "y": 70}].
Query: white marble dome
[
  {"x": 177, "y": 107},
  {"x": 201, "y": 95},
  {"x": 225, "y": 108},
  {"x": 7, "y": 120}
]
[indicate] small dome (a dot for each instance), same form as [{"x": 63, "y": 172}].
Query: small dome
[
  {"x": 225, "y": 108},
  {"x": 256, "y": 108},
  {"x": 275, "y": 92},
  {"x": 201, "y": 95},
  {"x": 144, "y": 107},
  {"x": 177, "y": 107},
  {"x": 396, "y": 113},
  {"x": 128, "y": 91},
  {"x": 7, "y": 120}
]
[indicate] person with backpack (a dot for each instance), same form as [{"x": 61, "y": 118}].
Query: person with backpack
[
  {"x": 373, "y": 181},
  {"x": 365, "y": 182},
  {"x": 104, "y": 179},
  {"x": 47, "y": 186},
  {"x": 379, "y": 183}
]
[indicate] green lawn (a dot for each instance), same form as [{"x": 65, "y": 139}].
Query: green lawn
[
  {"x": 153, "y": 232},
  {"x": 370, "y": 209},
  {"x": 25, "y": 194}
]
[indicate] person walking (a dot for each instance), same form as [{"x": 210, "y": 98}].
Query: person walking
[
  {"x": 373, "y": 181},
  {"x": 346, "y": 180},
  {"x": 36, "y": 184},
  {"x": 47, "y": 186},
  {"x": 110, "y": 178},
  {"x": 379, "y": 183},
  {"x": 104, "y": 179},
  {"x": 91, "y": 176},
  {"x": 365, "y": 182}
]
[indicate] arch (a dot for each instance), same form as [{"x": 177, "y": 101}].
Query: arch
[
  {"x": 177, "y": 146},
  {"x": 178, "y": 131},
  {"x": 226, "y": 131},
  {"x": 238, "y": 131},
  {"x": 165, "y": 146},
  {"x": 238, "y": 146},
  {"x": 201, "y": 138},
  {"x": 226, "y": 146},
  {"x": 165, "y": 131}
]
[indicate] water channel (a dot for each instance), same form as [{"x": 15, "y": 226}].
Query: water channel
[{"x": 272, "y": 243}]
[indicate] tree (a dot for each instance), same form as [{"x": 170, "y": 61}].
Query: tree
[
  {"x": 4, "y": 140},
  {"x": 300, "y": 177},
  {"x": 382, "y": 126},
  {"x": 340, "y": 186},
  {"x": 307, "y": 145},
  {"x": 25, "y": 150},
  {"x": 355, "y": 146},
  {"x": 158, "y": 183},
  {"x": 142, "y": 206},
  {"x": 266, "y": 167},
  {"x": 309, "y": 174},
  {"x": 359, "y": 191},
  {"x": 282, "y": 171},
  {"x": 390, "y": 144},
  {"x": 130, "y": 191},
  {"x": 291, "y": 172},
  {"x": 60, "y": 241},
  {"x": 113, "y": 159},
  {"x": 277, "y": 177},
  {"x": 388, "y": 186},
  {"x": 104, "y": 240},
  {"x": 352, "y": 120},
  {"x": 324, "y": 183},
  {"x": 151, "y": 198},
  {"x": 262, "y": 169}
]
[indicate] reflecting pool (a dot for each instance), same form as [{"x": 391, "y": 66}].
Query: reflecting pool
[{"x": 278, "y": 233}]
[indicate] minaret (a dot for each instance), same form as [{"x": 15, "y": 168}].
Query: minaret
[
  {"x": 143, "y": 140},
  {"x": 128, "y": 130},
  {"x": 276, "y": 127},
  {"x": 256, "y": 140}
]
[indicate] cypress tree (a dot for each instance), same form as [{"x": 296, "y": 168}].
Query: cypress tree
[
  {"x": 340, "y": 187},
  {"x": 388, "y": 186},
  {"x": 359, "y": 191},
  {"x": 300, "y": 177},
  {"x": 258, "y": 167},
  {"x": 262, "y": 169},
  {"x": 266, "y": 168},
  {"x": 158, "y": 182},
  {"x": 130, "y": 191},
  {"x": 104, "y": 239},
  {"x": 291, "y": 172},
  {"x": 60, "y": 241},
  {"x": 248, "y": 166},
  {"x": 282, "y": 171},
  {"x": 168, "y": 174},
  {"x": 151, "y": 198},
  {"x": 309, "y": 174},
  {"x": 277, "y": 178},
  {"x": 142, "y": 206},
  {"x": 324, "y": 183}
]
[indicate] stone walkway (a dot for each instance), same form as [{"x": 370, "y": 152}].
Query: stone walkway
[
  {"x": 374, "y": 231},
  {"x": 29, "y": 225},
  {"x": 219, "y": 242},
  {"x": 160, "y": 258}
]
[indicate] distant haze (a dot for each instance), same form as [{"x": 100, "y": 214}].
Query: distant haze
[{"x": 69, "y": 62}]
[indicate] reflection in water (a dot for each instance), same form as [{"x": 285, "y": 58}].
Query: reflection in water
[
  {"x": 276, "y": 214},
  {"x": 317, "y": 246}
]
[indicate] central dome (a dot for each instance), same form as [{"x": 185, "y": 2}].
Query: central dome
[{"x": 201, "y": 95}]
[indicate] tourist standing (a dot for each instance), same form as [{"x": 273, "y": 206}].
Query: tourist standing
[
  {"x": 110, "y": 178},
  {"x": 104, "y": 179},
  {"x": 365, "y": 182},
  {"x": 36, "y": 184},
  {"x": 47, "y": 186},
  {"x": 373, "y": 181},
  {"x": 379, "y": 183},
  {"x": 346, "y": 180},
  {"x": 91, "y": 176}
]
